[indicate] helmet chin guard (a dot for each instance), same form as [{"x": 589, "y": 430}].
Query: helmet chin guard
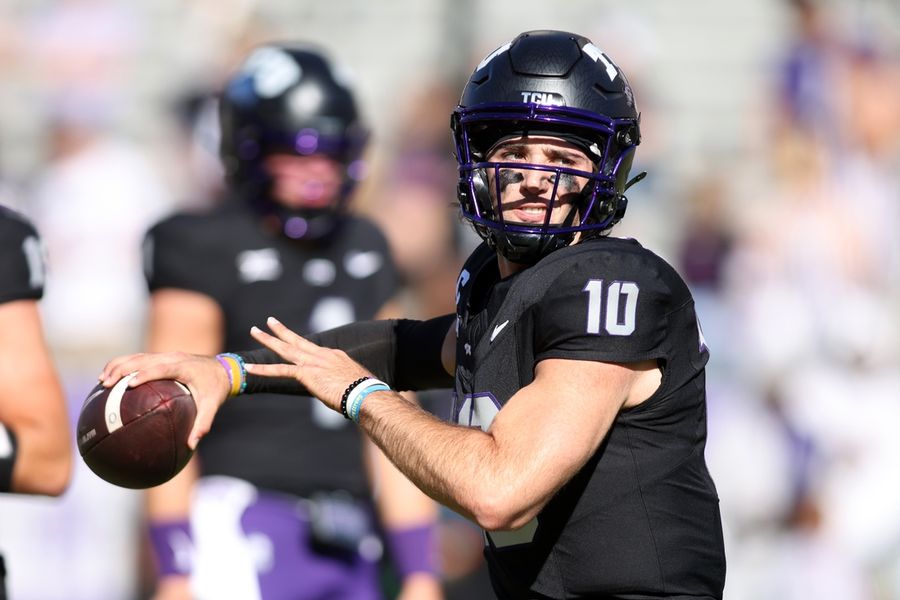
[
  {"x": 546, "y": 83},
  {"x": 526, "y": 248}
]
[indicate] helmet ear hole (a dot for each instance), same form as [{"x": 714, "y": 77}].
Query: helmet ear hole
[
  {"x": 630, "y": 136},
  {"x": 477, "y": 200}
]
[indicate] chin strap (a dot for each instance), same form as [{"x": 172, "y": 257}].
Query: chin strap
[
  {"x": 634, "y": 180},
  {"x": 622, "y": 201}
]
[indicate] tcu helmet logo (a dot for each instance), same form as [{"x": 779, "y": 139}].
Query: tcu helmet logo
[{"x": 544, "y": 98}]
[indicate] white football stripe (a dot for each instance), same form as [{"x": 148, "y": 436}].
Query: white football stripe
[{"x": 113, "y": 410}]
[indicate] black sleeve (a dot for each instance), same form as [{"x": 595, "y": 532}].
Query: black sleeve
[
  {"x": 21, "y": 259},
  {"x": 404, "y": 353},
  {"x": 180, "y": 252},
  {"x": 418, "y": 364}
]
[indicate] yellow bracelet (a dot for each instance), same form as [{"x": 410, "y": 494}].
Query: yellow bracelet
[{"x": 235, "y": 376}]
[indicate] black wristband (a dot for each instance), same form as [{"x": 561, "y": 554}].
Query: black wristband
[{"x": 347, "y": 395}]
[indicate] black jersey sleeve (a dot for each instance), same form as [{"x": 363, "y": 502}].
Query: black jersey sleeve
[
  {"x": 180, "y": 252},
  {"x": 21, "y": 258},
  {"x": 404, "y": 353},
  {"x": 608, "y": 305}
]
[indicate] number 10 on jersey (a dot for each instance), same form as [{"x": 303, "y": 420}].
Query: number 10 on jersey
[{"x": 619, "y": 299}]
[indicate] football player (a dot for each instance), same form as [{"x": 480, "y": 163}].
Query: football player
[
  {"x": 578, "y": 363},
  {"x": 35, "y": 443},
  {"x": 281, "y": 494}
]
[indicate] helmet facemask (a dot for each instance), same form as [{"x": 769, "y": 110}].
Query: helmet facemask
[{"x": 592, "y": 200}]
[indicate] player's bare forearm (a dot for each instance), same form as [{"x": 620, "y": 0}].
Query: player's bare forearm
[
  {"x": 452, "y": 468},
  {"x": 503, "y": 477},
  {"x": 460, "y": 467},
  {"x": 399, "y": 502},
  {"x": 38, "y": 419},
  {"x": 500, "y": 478}
]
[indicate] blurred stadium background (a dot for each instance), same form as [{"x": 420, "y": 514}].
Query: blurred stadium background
[{"x": 772, "y": 139}]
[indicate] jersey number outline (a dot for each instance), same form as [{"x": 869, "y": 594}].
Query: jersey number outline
[
  {"x": 615, "y": 293},
  {"x": 478, "y": 410}
]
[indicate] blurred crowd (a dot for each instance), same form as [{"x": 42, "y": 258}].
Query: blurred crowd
[
  {"x": 789, "y": 246},
  {"x": 799, "y": 276}
]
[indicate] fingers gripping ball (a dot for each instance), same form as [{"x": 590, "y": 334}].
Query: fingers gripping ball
[{"x": 136, "y": 437}]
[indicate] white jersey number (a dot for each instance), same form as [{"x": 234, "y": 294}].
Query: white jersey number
[{"x": 619, "y": 298}]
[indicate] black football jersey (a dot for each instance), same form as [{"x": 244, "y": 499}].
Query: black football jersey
[
  {"x": 641, "y": 518},
  {"x": 283, "y": 443},
  {"x": 21, "y": 258}
]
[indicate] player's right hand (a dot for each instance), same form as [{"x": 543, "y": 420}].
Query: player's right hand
[
  {"x": 203, "y": 376},
  {"x": 325, "y": 372}
]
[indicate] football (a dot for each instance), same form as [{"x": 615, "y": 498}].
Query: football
[{"x": 136, "y": 437}]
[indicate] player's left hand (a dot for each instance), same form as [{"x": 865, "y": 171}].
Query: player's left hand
[{"x": 325, "y": 372}]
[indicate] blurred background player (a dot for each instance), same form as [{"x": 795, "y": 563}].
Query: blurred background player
[
  {"x": 35, "y": 446},
  {"x": 280, "y": 489}
]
